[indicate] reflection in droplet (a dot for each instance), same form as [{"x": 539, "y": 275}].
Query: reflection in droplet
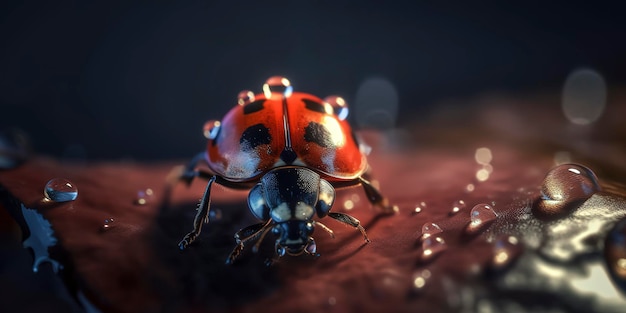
[
  {"x": 277, "y": 86},
  {"x": 339, "y": 105},
  {"x": 615, "y": 254},
  {"x": 584, "y": 96},
  {"x": 376, "y": 104},
  {"x": 244, "y": 97},
  {"x": 211, "y": 129},
  {"x": 457, "y": 206},
  {"x": 144, "y": 196},
  {"x": 481, "y": 216},
  {"x": 506, "y": 250},
  {"x": 432, "y": 247},
  {"x": 60, "y": 190},
  {"x": 564, "y": 188},
  {"x": 429, "y": 229}
]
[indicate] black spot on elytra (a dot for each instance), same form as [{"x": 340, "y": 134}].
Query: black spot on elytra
[
  {"x": 318, "y": 134},
  {"x": 253, "y": 107},
  {"x": 314, "y": 105},
  {"x": 255, "y": 136}
]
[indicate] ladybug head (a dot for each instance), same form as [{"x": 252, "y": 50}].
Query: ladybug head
[{"x": 290, "y": 196}]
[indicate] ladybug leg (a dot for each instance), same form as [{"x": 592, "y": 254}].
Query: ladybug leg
[
  {"x": 201, "y": 217},
  {"x": 247, "y": 234},
  {"x": 347, "y": 219},
  {"x": 328, "y": 230},
  {"x": 375, "y": 198}
]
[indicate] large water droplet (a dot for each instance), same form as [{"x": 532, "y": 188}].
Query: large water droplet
[
  {"x": 277, "y": 86},
  {"x": 432, "y": 247},
  {"x": 244, "y": 97},
  {"x": 60, "y": 190},
  {"x": 506, "y": 250},
  {"x": 481, "y": 216},
  {"x": 429, "y": 229},
  {"x": 211, "y": 129},
  {"x": 564, "y": 188},
  {"x": 615, "y": 254},
  {"x": 144, "y": 196},
  {"x": 339, "y": 105}
]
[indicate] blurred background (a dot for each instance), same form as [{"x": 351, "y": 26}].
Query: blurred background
[{"x": 137, "y": 79}]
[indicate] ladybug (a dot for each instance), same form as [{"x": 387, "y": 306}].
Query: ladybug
[{"x": 292, "y": 150}]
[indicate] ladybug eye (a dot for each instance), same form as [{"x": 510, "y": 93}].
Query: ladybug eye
[
  {"x": 277, "y": 85},
  {"x": 340, "y": 106},
  {"x": 245, "y": 97},
  {"x": 211, "y": 129}
]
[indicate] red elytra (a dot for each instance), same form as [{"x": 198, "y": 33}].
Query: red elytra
[{"x": 253, "y": 136}]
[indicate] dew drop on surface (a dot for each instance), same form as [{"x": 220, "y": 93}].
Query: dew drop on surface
[
  {"x": 429, "y": 229},
  {"x": 244, "y": 97},
  {"x": 108, "y": 223},
  {"x": 431, "y": 247},
  {"x": 564, "y": 188},
  {"x": 457, "y": 206},
  {"x": 277, "y": 86},
  {"x": 60, "y": 190},
  {"x": 339, "y": 105},
  {"x": 480, "y": 217},
  {"x": 506, "y": 250},
  {"x": 211, "y": 129},
  {"x": 419, "y": 208},
  {"x": 144, "y": 196},
  {"x": 420, "y": 280},
  {"x": 615, "y": 254}
]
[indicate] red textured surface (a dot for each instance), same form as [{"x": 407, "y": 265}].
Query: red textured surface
[{"x": 136, "y": 266}]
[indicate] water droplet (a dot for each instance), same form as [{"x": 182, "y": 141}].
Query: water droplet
[
  {"x": 108, "y": 223},
  {"x": 432, "y": 247},
  {"x": 144, "y": 196},
  {"x": 506, "y": 250},
  {"x": 211, "y": 129},
  {"x": 418, "y": 208},
  {"x": 564, "y": 188},
  {"x": 457, "y": 206},
  {"x": 420, "y": 279},
  {"x": 60, "y": 190},
  {"x": 339, "y": 105},
  {"x": 429, "y": 229},
  {"x": 481, "y": 216},
  {"x": 615, "y": 253},
  {"x": 277, "y": 86},
  {"x": 244, "y": 97},
  {"x": 215, "y": 214}
]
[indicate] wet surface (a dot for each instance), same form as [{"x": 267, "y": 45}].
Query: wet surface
[{"x": 527, "y": 236}]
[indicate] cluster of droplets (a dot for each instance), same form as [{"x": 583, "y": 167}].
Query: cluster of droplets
[
  {"x": 457, "y": 206},
  {"x": 564, "y": 188},
  {"x": 60, "y": 190}
]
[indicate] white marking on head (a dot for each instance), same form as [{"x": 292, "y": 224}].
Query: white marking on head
[
  {"x": 303, "y": 211},
  {"x": 281, "y": 213}
]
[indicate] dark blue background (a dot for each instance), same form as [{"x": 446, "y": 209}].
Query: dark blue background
[{"x": 111, "y": 80}]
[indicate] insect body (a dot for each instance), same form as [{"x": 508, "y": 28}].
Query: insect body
[{"x": 292, "y": 149}]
